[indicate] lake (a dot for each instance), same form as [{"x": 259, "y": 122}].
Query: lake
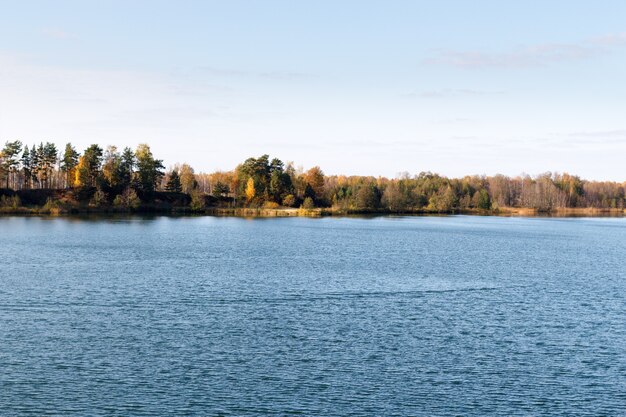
[{"x": 454, "y": 315}]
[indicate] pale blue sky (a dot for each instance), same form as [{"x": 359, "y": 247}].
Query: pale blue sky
[{"x": 357, "y": 87}]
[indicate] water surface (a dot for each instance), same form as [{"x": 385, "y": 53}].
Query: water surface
[{"x": 336, "y": 316}]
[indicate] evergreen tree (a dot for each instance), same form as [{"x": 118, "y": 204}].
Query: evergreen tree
[
  {"x": 309, "y": 192},
  {"x": 220, "y": 189},
  {"x": 126, "y": 167},
  {"x": 26, "y": 167},
  {"x": 149, "y": 169},
  {"x": 34, "y": 165},
  {"x": 41, "y": 176},
  {"x": 10, "y": 159},
  {"x": 173, "y": 183},
  {"x": 69, "y": 163},
  {"x": 47, "y": 160},
  {"x": 91, "y": 165}
]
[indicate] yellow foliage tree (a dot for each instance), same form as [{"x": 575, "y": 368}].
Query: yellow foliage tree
[
  {"x": 315, "y": 178},
  {"x": 250, "y": 190},
  {"x": 81, "y": 173},
  {"x": 187, "y": 178}
]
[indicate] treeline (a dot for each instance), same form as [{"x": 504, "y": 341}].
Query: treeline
[
  {"x": 128, "y": 178},
  {"x": 123, "y": 178},
  {"x": 261, "y": 182}
]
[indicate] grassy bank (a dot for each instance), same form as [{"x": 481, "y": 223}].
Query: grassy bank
[
  {"x": 56, "y": 210},
  {"x": 68, "y": 202}
]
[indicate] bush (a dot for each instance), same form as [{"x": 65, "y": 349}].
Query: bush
[
  {"x": 198, "y": 202},
  {"x": 99, "y": 199},
  {"x": 270, "y": 205},
  {"x": 52, "y": 207},
  {"x": 289, "y": 201},
  {"x": 308, "y": 204},
  {"x": 12, "y": 202},
  {"x": 128, "y": 199}
]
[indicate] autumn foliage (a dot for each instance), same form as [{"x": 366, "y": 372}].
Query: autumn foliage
[{"x": 127, "y": 178}]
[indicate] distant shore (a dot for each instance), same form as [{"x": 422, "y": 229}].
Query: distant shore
[
  {"x": 314, "y": 212},
  {"x": 41, "y": 180},
  {"x": 507, "y": 211},
  {"x": 67, "y": 202}
]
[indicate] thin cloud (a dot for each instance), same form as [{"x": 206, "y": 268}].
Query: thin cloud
[
  {"x": 530, "y": 56},
  {"x": 224, "y": 72},
  {"x": 453, "y": 121},
  {"x": 283, "y": 75},
  {"x": 56, "y": 33},
  {"x": 599, "y": 138},
  {"x": 450, "y": 92},
  {"x": 534, "y": 56},
  {"x": 615, "y": 39},
  {"x": 82, "y": 101},
  {"x": 600, "y": 133},
  {"x": 274, "y": 75}
]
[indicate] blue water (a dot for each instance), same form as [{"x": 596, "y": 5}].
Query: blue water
[{"x": 335, "y": 316}]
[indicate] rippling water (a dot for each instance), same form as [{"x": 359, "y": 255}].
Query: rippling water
[{"x": 382, "y": 316}]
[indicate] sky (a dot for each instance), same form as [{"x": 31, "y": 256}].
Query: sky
[{"x": 356, "y": 87}]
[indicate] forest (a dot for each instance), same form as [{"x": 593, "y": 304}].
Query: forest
[{"x": 47, "y": 178}]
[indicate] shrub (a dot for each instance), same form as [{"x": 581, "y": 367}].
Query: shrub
[
  {"x": 198, "y": 202},
  {"x": 308, "y": 204},
  {"x": 12, "y": 202},
  {"x": 51, "y": 206},
  {"x": 289, "y": 201},
  {"x": 99, "y": 198},
  {"x": 128, "y": 199}
]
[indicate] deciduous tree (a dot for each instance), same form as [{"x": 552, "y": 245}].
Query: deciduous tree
[{"x": 149, "y": 169}]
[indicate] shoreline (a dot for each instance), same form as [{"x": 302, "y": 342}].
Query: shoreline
[{"x": 315, "y": 212}]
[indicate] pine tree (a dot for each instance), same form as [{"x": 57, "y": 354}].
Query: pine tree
[
  {"x": 92, "y": 165},
  {"x": 10, "y": 159},
  {"x": 127, "y": 167},
  {"x": 220, "y": 189},
  {"x": 39, "y": 169},
  {"x": 69, "y": 163},
  {"x": 26, "y": 167},
  {"x": 149, "y": 169},
  {"x": 173, "y": 183},
  {"x": 50, "y": 158},
  {"x": 34, "y": 165}
]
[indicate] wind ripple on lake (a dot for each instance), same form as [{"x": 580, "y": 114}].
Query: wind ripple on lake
[{"x": 383, "y": 316}]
